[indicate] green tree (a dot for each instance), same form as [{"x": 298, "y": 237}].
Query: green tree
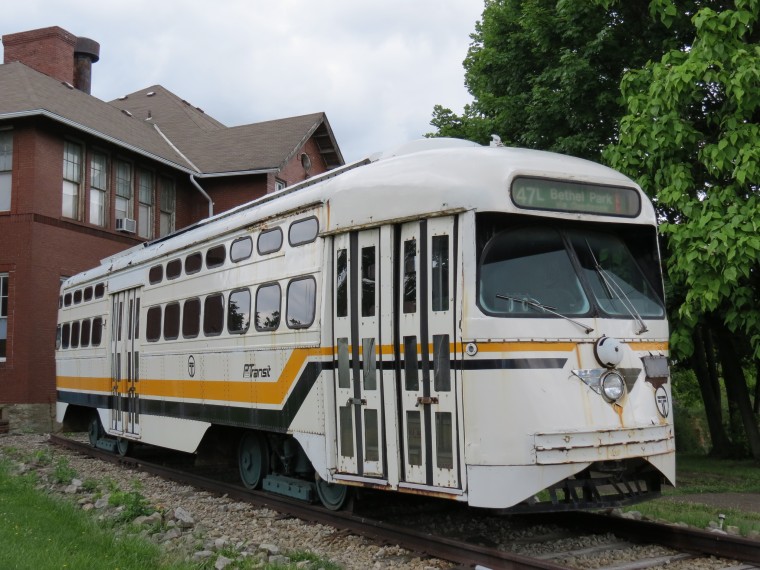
[
  {"x": 545, "y": 73},
  {"x": 690, "y": 138}
]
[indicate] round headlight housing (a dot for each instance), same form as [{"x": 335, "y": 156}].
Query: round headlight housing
[{"x": 613, "y": 386}]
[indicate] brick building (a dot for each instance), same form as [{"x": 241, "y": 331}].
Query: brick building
[{"x": 81, "y": 179}]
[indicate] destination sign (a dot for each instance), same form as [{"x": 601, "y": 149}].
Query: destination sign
[{"x": 561, "y": 196}]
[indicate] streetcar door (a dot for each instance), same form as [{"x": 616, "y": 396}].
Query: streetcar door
[
  {"x": 358, "y": 373},
  {"x": 426, "y": 309},
  {"x": 125, "y": 362}
]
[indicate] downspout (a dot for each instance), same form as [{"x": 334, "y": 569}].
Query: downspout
[
  {"x": 203, "y": 192},
  {"x": 192, "y": 176}
]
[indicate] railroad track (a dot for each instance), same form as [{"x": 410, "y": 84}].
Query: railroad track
[{"x": 684, "y": 546}]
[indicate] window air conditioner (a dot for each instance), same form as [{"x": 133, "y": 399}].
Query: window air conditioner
[{"x": 126, "y": 225}]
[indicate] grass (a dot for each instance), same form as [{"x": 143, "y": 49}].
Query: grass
[
  {"x": 699, "y": 474},
  {"x": 40, "y": 533}
]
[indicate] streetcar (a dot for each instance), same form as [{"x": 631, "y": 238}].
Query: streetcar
[{"x": 476, "y": 323}]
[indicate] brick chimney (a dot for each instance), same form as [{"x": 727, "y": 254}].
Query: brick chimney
[
  {"x": 54, "y": 52},
  {"x": 86, "y": 52}
]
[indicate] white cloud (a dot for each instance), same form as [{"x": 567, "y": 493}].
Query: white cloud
[{"x": 375, "y": 68}]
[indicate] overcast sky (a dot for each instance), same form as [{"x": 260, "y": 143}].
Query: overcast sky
[{"x": 376, "y": 68}]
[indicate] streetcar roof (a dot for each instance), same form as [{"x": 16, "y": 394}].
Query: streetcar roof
[{"x": 422, "y": 178}]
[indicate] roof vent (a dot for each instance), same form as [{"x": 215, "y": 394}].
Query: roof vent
[
  {"x": 122, "y": 98},
  {"x": 150, "y": 93},
  {"x": 67, "y": 84},
  {"x": 127, "y": 113}
]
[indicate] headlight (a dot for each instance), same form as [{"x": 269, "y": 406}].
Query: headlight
[{"x": 613, "y": 386}]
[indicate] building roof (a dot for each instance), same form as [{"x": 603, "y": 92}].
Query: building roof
[
  {"x": 26, "y": 92},
  {"x": 213, "y": 147},
  {"x": 156, "y": 123}
]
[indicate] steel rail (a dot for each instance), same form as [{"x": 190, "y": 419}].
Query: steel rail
[
  {"x": 678, "y": 538},
  {"x": 415, "y": 541},
  {"x": 675, "y": 537}
]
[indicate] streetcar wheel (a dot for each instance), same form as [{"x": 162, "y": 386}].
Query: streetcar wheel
[
  {"x": 94, "y": 430},
  {"x": 122, "y": 446},
  {"x": 253, "y": 459},
  {"x": 332, "y": 495}
]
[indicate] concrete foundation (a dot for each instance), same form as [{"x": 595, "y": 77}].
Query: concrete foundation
[{"x": 28, "y": 418}]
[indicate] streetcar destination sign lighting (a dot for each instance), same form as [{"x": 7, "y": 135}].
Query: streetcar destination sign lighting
[{"x": 561, "y": 196}]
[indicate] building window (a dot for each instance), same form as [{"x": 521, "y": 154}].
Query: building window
[
  {"x": 123, "y": 206},
  {"x": 279, "y": 185},
  {"x": 72, "y": 176},
  {"x": 6, "y": 168},
  {"x": 145, "y": 220},
  {"x": 3, "y": 315},
  {"x": 98, "y": 188},
  {"x": 168, "y": 205}
]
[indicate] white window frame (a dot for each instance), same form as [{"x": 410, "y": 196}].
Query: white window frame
[
  {"x": 146, "y": 199},
  {"x": 72, "y": 180},
  {"x": 167, "y": 204},
  {"x": 6, "y": 169},
  {"x": 99, "y": 189},
  {"x": 124, "y": 190},
  {"x": 4, "y": 301}
]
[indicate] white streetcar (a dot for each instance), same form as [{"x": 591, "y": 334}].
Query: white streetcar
[{"x": 484, "y": 324}]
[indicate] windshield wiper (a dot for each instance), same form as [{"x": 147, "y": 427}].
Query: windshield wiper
[
  {"x": 614, "y": 288},
  {"x": 547, "y": 308}
]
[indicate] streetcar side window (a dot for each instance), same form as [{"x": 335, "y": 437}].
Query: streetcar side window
[
  {"x": 100, "y": 290},
  {"x": 268, "y": 307},
  {"x": 171, "y": 321},
  {"x": 239, "y": 311},
  {"x": 97, "y": 331},
  {"x": 410, "y": 276},
  {"x": 88, "y": 293},
  {"x": 213, "y": 315},
  {"x": 270, "y": 241},
  {"x": 303, "y": 231},
  {"x": 215, "y": 256},
  {"x": 153, "y": 325},
  {"x": 156, "y": 274},
  {"x": 75, "y": 334},
  {"x": 191, "y": 318},
  {"x": 302, "y": 298},
  {"x": 193, "y": 263},
  {"x": 174, "y": 269},
  {"x": 241, "y": 249},
  {"x": 368, "y": 281},
  {"x": 341, "y": 295},
  {"x": 67, "y": 299},
  {"x": 77, "y": 296},
  {"x": 440, "y": 273},
  {"x": 85, "y": 338},
  {"x": 65, "y": 332},
  {"x": 58, "y": 337}
]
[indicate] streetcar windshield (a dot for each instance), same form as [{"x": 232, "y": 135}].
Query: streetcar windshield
[
  {"x": 541, "y": 269},
  {"x": 520, "y": 269}
]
